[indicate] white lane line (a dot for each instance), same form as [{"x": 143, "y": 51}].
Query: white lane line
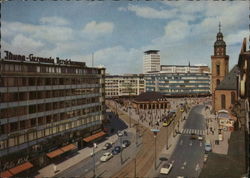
[
  {"x": 182, "y": 167},
  {"x": 199, "y": 132},
  {"x": 190, "y": 144},
  {"x": 200, "y": 144},
  {"x": 181, "y": 141},
  {"x": 197, "y": 167},
  {"x": 182, "y": 130},
  {"x": 185, "y": 163}
]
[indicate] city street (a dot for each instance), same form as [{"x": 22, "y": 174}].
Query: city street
[{"x": 187, "y": 158}]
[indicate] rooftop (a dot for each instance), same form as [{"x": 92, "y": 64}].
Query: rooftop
[
  {"x": 230, "y": 81},
  {"x": 150, "y": 96},
  {"x": 151, "y": 51}
]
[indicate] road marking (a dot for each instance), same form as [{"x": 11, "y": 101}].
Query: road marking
[
  {"x": 173, "y": 162},
  {"x": 182, "y": 167},
  {"x": 185, "y": 163},
  {"x": 197, "y": 167},
  {"x": 200, "y": 144},
  {"x": 190, "y": 144},
  {"x": 181, "y": 142}
]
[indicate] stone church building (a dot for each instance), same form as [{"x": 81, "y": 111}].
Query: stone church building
[{"x": 224, "y": 83}]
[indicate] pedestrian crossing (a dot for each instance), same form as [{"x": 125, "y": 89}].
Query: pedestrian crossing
[{"x": 195, "y": 131}]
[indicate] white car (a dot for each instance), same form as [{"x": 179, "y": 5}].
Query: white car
[
  {"x": 200, "y": 137},
  {"x": 106, "y": 156},
  {"x": 120, "y": 134},
  {"x": 166, "y": 168}
]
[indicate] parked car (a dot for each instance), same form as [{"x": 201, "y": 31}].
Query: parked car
[
  {"x": 116, "y": 150},
  {"x": 107, "y": 146},
  {"x": 200, "y": 137},
  {"x": 208, "y": 146},
  {"x": 125, "y": 143},
  {"x": 193, "y": 136},
  {"x": 119, "y": 133},
  {"x": 106, "y": 156},
  {"x": 166, "y": 168}
]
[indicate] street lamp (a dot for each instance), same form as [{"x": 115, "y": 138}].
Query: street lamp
[
  {"x": 121, "y": 149},
  {"x": 95, "y": 146},
  {"x": 155, "y": 131}
]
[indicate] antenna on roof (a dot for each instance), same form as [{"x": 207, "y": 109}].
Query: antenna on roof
[
  {"x": 219, "y": 26},
  {"x": 92, "y": 59}
]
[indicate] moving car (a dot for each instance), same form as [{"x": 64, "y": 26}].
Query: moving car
[
  {"x": 208, "y": 146},
  {"x": 107, "y": 146},
  {"x": 119, "y": 133},
  {"x": 200, "y": 137},
  {"x": 116, "y": 150},
  {"x": 205, "y": 158},
  {"x": 166, "y": 168},
  {"x": 106, "y": 156},
  {"x": 125, "y": 143},
  {"x": 193, "y": 136}
]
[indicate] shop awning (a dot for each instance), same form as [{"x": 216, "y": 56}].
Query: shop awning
[
  {"x": 5, "y": 174},
  {"x": 21, "y": 168},
  {"x": 68, "y": 148},
  {"x": 95, "y": 136},
  {"x": 55, "y": 153}
]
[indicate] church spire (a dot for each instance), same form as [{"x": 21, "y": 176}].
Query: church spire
[{"x": 219, "y": 27}]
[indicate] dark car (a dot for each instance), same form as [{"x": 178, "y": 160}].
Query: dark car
[
  {"x": 107, "y": 146},
  {"x": 193, "y": 136},
  {"x": 116, "y": 150},
  {"x": 125, "y": 143}
]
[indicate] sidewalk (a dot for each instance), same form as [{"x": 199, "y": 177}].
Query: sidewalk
[
  {"x": 48, "y": 171},
  {"x": 222, "y": 147}
]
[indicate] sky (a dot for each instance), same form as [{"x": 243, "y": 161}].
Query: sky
[{"x": 118, "y": 32}]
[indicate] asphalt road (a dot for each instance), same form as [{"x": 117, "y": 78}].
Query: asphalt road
[
  {"x": 105, "y": 169},
  {"x": 187, "y": 157}
]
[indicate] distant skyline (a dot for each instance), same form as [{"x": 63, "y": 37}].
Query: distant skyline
[{"x": 118, "y": 32}]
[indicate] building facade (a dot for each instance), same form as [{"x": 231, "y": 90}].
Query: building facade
[
  {"x": 185, "y": 69},
  {"x": 151, "y": 61},
  {"x": 124, "y": 85},
  {"x": 46, "y": 104},
  {"x": 179, "y": 84}
]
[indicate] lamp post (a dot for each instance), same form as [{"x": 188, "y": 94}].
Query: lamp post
[
  {"x": 94, "y": 157},
  {"x": 155, "y": 131},
  {"x": 167, "y": 137},
  {"x": 121, "y": 149}
]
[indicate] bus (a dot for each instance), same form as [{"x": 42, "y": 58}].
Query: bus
[{"x": 168, "y": 119}]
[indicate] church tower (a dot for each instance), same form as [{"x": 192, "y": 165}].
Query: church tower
[{"x": 219, "y": 61}]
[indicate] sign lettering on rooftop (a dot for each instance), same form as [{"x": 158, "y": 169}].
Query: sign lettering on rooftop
[{"x": 31, "y": 57}]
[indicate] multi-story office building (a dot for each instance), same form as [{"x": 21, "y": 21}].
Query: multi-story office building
[
  {"x": 47, "y": 104},
  {"x": 178, "y": 84},
  {"x": 124, "y": 85},
  {"x": 151, "y": 61},
  {"x": 184, "y": 68}
]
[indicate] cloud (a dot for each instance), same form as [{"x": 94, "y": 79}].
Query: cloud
[
  {"x": 98, "y": 29},
  {"x": 148, "y": 12},
  {"x": 54, "y": 21},
  {"x": 21, "y": 41},
  {"x": 118, "y": 60},
  {"x": 49, "y": 33}
]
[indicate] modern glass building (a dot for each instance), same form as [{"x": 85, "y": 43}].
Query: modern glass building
[{"x": 178, "y": 84}]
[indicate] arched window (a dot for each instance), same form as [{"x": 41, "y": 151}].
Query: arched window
[
  {"x": 232, "y": 97},
  {"x": 217, "y": 82},
  {"x": 217, "y": 69},
  {"x": 223, "y": 101}
]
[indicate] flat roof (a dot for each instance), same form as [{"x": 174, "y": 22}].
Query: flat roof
[{"x": 151, "y": 51}]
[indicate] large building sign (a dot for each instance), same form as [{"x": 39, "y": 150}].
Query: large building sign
[{"x": 31, "y": 57}]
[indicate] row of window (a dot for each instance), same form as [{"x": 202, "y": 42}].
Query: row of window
[
  {"x": 17, "y": 140},
  {"x": 24, "y": 110},
  {"x": 25, "y": 96},
  {"x": 46, "y": 69},
  {"x": 58, "y": 118},
  {"x": 41, "y": 81}
]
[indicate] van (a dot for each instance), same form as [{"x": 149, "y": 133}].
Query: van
[{"x": 208, "y": 146}]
